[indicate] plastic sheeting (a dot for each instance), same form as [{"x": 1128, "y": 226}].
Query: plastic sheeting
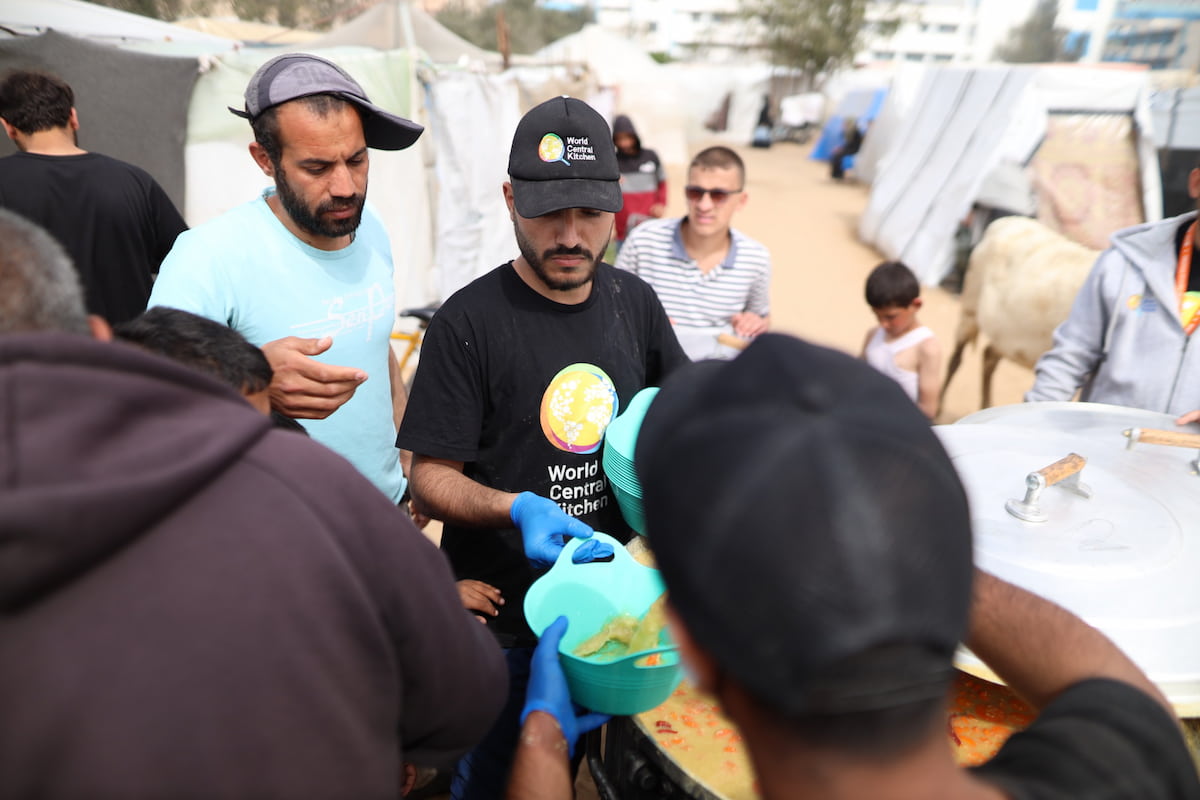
[
  {"x": 400, "y": 25},
  {"x": 862, "y": 106},
  {"x": 640, "y": 87},
  {"x": 1176, "y": 115},
  {"x": 704, "y": 90},
  {"x": 968, "y": 137},
  {"x": 99, "y": 23},
  {"x": 1087, "y": 178},
  {"x": 902, "y": 95},
  {"x": 940, "y": 160},
  {"x": 473, "y": 118},
  {"x": 132, "y": 106}
]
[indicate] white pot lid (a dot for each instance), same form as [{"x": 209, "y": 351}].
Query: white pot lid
[{"x": 1125, "y": 559}]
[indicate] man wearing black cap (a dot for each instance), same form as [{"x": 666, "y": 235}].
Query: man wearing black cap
[
  {"x": 305, "y": 270},
  {"x": 821, "y": 587},
  {"x": 521, "y": 372},
  {"x": 819, "y": 583}
]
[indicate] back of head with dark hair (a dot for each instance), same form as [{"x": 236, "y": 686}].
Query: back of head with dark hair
[
  {"x": 719, "y": 157},
  {"x": 35, "y": 101},
  {"x": 39, "y": 287},
  {"x": 266, "y": 124},
  {"x": 840, "y": 615},
  {"x": 892, "y": 284},
  {"x": 200, "y": 343}
]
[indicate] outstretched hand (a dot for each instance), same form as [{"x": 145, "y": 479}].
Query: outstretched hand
[
  {"x": 545, "y": 529},
  {"x": 548, "y": 690},
  {"x": 304, "y": 388}
]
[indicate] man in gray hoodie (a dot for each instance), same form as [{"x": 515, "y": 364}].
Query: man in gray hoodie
[
  {"x": 1127, "y": 339},
  {"x": 194, "y": 604}
]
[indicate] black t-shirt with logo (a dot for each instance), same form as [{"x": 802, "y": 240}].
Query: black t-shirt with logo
[{"x": 520, "y": 388}]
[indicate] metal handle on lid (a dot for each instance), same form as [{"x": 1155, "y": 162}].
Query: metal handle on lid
[
  {"x": 1168, "y": 438},
  {"x": 1064, "y": 473},
  {"x": 1064, "y": 468}
]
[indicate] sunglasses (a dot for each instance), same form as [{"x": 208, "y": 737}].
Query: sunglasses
[{"x": 696, "y": 193}]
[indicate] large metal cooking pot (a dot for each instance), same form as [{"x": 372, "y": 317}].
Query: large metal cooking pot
[{"x": 1120, "y": 540}]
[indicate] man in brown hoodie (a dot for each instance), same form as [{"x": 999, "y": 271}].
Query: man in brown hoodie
[{"x": 192, "y": 603}]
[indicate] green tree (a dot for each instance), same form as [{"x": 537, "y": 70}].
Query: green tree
[
  {"x": 812, "y": 37},
  {"x": 1036, "y": 40},
  {"x": 530, "y": 26}
]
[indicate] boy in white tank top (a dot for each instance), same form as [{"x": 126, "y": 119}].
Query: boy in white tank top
[{"x": 900, "y": 346}]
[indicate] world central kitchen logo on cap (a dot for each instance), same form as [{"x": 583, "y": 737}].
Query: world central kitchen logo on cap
[
  {"x": 551, "y": 149},
  {"x": 554, "y": 148}
]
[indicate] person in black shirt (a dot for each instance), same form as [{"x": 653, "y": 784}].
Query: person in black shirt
[
  {"x": 521, "y": 371},
  {"x": 115, "y": 222},
  {"x": 819, "y": 582}
]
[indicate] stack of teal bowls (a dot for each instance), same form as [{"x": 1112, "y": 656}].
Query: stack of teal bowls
[{"x": 620, "y": 441}]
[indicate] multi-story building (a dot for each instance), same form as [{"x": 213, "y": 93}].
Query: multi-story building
[
  {"x": 929, "y": 31},
  {"x": 941, "y": 31},
  {"x": 1162, "y": 35},
  {"x": 682, "y": 29}
]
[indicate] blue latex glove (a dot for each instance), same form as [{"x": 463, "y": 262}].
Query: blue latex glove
[
  {"x": 591, "y": 550},
  {"x": 548, "y": 689},
  {"x": 545, "y": 528}
]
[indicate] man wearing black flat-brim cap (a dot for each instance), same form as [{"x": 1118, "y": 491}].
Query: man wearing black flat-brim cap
[
  {"x": 521, "y": 372},
  {"x": 305, "y": 270},
  {"x": 820, "y": 588}
]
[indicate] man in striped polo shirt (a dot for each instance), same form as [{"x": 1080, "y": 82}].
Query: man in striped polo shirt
[{"x": 710, "y": 278}]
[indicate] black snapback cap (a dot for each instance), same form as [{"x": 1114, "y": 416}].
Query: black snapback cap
[
  {"x": 811, "y": 530},
  {"x": 295, "y": 75},
  {"x": 563, "y": 157}
]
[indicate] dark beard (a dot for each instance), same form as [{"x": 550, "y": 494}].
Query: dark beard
[
  {"x": 536, "y": 262},
  {"x": 312, "y": 221}
]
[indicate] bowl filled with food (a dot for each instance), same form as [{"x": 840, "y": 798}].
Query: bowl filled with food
[{"x": 616, "y": 654}]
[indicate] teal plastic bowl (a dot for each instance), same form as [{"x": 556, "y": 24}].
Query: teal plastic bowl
[
  {"x": 620, "y": 442},
  {"x": 589, "y": 595},
  {"x": 631, "y": 509}
]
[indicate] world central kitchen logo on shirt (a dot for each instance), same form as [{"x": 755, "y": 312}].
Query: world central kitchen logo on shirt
[
  {"x": 577, "y": 407},
  {"x": 554, "y": 148}
]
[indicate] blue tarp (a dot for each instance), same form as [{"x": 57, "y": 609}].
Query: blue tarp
[{"x": 862, "y": 105}]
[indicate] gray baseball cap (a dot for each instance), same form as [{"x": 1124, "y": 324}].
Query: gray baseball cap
[{"x": 296, "y": 75}]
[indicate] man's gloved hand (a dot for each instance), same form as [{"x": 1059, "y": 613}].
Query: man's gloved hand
[
  {"x": 545, "y": 528},
  {"x": 592, "y": 550},
  {"x": 548, "y": 690}
]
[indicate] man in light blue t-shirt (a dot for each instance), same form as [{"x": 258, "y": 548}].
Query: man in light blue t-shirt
[{"x": 305, "y": 270}]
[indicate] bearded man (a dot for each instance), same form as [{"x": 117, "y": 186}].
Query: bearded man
[
  {"x": 305, "y": 270},
  {"x": 521, "y": 372}
]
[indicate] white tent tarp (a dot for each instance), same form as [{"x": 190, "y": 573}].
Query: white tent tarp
[
  {"x": 963, "y": 124},
  {"x": 473, "y": 118},
  {"x": 99, "y": 23},
  {"x": 399, "y": 25},
  {"x": 638, "y": 86}
]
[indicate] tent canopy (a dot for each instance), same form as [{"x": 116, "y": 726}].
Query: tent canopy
[
  {"x": 98, "y": 23},
  {"x": 1177, "y": 135},
  {"x": 132, "y": 106},
  {"x": 631, "y": 83},
  {"x": 1075, "y": 139},
  {"x": 399, "y": 25},
  {"x": 252, "y": 33}
]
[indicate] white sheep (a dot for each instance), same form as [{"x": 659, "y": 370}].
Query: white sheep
[{"x": 1020, "y": 283}]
